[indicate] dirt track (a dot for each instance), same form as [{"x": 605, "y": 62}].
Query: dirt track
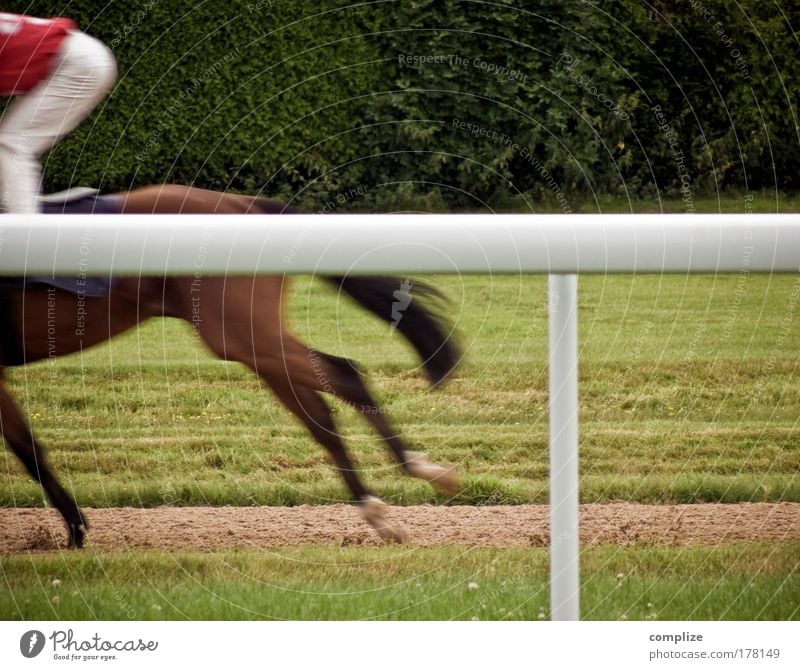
[{"x": 211, "y": 528}]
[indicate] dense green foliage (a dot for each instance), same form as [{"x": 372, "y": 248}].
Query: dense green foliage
[{"x": 336, "y": 104}]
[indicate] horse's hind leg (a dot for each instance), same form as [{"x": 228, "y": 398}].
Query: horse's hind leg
[
  {"x": 347, "y": 384},
  {"x": 257, "y": 339},
  {"x": 15, "y": 430},
  {"x": 310, "y": 407}
]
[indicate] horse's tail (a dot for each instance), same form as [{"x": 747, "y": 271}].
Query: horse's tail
[{"x": 404, "y": 306}]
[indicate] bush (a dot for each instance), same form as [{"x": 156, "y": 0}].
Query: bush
[{"x": 427, "y": 104}]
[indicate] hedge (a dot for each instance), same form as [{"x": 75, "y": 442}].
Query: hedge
[{"x": 440, "y": 104}]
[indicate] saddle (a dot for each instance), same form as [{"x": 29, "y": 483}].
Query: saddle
[{"x": 80, "y": 200}]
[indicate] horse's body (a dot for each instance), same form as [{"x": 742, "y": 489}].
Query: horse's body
[{"x": 240, "y": 318}]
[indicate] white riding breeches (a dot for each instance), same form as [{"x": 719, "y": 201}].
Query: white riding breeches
[{"x": 83, "y": 71}]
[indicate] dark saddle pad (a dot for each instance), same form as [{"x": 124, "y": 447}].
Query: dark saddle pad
[
  {"x": 80, "y": 201},
  {"x": 76, "y": 201}
]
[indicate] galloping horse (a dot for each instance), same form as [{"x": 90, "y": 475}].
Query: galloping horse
[{"x": 239, "y": 319}]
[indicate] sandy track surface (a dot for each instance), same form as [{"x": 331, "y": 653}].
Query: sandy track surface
[{"x": 213, "y": 528}]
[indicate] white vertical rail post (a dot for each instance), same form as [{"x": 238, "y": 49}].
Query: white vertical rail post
[{"x": 564, "y": 548}]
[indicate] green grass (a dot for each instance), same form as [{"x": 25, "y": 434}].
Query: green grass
[
  {"x": 689, "y": 390},
  {"x": 723, "y": 201},
  {"x": 403, "y": 583}
]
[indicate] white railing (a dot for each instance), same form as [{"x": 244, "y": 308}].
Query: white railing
[
  {"x": 558, "y": 245},
  {"x": 446, "y": 243}
]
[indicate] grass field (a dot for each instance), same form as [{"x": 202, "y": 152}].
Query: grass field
[
  {"x": 690, "y": 393},
  {"x": 734, "y": 581}
]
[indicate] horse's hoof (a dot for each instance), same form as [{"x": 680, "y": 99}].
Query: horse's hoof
[
  {"x": 445, "y": 479},
  {"x": 374, "y": 512},
  {"x": 77, "y": 535}
]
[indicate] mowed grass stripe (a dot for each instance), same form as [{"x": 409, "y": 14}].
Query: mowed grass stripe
[{"x": 731, "y": 581}]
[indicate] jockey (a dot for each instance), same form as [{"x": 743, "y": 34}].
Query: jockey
[{"x": 58, "y": 74}]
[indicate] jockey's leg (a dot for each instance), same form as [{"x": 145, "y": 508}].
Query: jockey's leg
[{"x": 83, "y": 72}]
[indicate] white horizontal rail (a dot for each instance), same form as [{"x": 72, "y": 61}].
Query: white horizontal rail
[{"x": 399, "y": 243}]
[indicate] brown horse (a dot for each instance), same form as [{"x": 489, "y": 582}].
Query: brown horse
[{"x": 240, "y": 318}]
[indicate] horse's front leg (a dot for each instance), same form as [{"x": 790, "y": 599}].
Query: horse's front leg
[{"x": 15, "y": 429}]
